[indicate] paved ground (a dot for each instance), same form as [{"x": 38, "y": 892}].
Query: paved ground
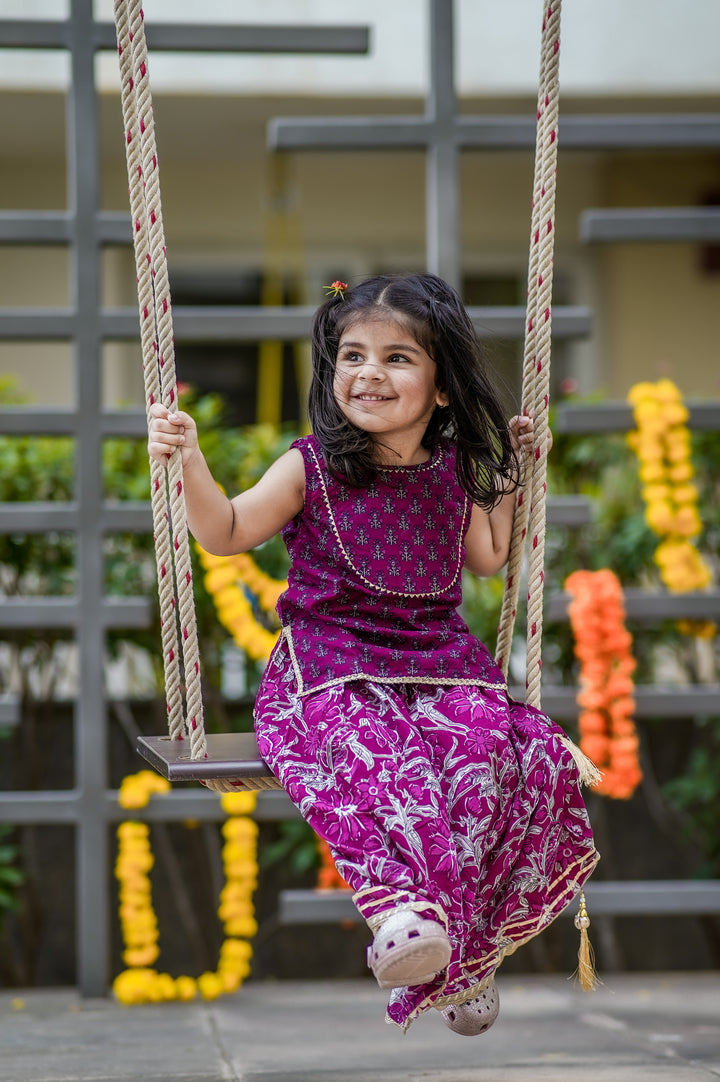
[{"x": 634, "y": 1029}]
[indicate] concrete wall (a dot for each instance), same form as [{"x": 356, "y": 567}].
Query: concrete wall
[{"x": 350, "y": 214}]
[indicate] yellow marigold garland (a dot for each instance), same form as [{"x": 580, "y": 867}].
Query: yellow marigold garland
[
  {"x": 140, "y": 983},
  {"x": 603, "y": 646},
  {"x": 662, "y": 444},
  {"x": 222, "y": 574}
]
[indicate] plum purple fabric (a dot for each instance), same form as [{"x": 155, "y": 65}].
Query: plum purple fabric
[
  {"x": 434, "y": 790},
  {"x": 375, "y": 578}
]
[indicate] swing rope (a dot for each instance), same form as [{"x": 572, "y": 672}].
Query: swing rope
[
  {"x": 174, "y": 567},
  {"x": 178, "y": 619},
  {"x": 530, "y": 500}
]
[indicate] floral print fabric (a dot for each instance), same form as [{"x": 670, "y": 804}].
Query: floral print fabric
[{"x": 453, "y": 801}]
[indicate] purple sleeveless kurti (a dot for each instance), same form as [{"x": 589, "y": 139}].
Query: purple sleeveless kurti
[{"x": 390, "y": 727}]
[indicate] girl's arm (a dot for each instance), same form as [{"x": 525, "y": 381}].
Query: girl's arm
[
  {"x": 223, "y": 526},
  {"x": 487, "y": 542}
]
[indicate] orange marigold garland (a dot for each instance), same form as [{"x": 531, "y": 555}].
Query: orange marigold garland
[
  {"x": 328, "y": 877},
  {"x": 603, "y": 646},
  {"x": 662, "y": 444}
]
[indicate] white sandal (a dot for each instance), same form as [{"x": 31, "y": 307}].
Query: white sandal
[
  {"x": 475, "y": 1016},
  {"x": 408, "y": 950}
]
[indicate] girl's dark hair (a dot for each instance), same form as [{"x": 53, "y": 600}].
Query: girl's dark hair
[{"x": 487, "y": 466}]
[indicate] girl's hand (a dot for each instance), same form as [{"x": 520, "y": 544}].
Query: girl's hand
[
  {"x": 169, "y": 430},
  {"x": 521, "y": 433}
]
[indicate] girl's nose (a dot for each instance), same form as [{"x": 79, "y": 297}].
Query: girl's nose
[{"x": 371, "y": 370}]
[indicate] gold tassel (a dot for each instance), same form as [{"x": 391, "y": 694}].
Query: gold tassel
[
  {"x": 589, "y": 773},
  {"x": 586, "y": 956}
]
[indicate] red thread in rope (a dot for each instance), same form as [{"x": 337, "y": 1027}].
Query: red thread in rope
[
  {"x": 533, "y": 629},
  {"x": 171, "y": 655},
  {"x": 188, "y": 578},
  {"x": 143, "y": 69},
  {"x": 162, "y": 572},
  {"x": 179, "y": 487},
  {"x": 511, "y": 579},
  {"x": 129, "y": 137},
  {"x": 177, "y": 545},
  {"x": 547, "y": 314},
  {"x": 535, "y": 541},
  {"x": 185, "y": 634},
  {"x": 142, "y": 126}
]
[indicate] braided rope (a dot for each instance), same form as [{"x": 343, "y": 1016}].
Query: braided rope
[
  {"x": 530, "y": 504},
  {"x": 177, "y": 608}
]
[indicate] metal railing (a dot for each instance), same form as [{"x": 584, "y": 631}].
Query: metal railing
[{"x": 84, "y": 229}]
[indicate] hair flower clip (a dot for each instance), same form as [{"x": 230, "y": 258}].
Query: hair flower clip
[{"x": 337, "y": 289}]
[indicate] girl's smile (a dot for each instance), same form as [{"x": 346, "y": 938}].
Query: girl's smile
[{"x": 385, "y": 384}]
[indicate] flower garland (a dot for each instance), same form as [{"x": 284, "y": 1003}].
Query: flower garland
[
  {"x": 328, "y": 877},
  {"x": 231, "y": 601},
  {"x": 662, "y": 444},
  {"x": 607, "y": 702},
  {"x": 140, "y": 983}
]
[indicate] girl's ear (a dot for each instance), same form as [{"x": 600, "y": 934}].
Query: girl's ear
[{"x": 441, "y": 398}]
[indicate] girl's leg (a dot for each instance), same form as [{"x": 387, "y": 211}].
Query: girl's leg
[{"x": 352, "y": 761}]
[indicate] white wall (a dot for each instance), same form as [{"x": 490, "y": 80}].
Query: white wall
[{"x": 619, "y": 47}]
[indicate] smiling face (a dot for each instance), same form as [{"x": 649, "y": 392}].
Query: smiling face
[{"x": 385, "y": 384}]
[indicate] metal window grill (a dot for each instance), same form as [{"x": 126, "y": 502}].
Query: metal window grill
[{"x": 84, "y": 229}]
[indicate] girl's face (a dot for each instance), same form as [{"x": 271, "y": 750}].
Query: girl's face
[{"x": 385, "y": 381}]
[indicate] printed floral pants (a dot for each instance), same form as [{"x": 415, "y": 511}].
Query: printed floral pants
[{"x": 450, "y": 800}]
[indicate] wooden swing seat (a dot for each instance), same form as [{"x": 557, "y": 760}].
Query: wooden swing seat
[{"x": 229, "y": 755}]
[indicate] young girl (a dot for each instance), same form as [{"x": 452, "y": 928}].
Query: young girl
[{"x": 453, "y": 811}]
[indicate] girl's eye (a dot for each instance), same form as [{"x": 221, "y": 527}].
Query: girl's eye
[
  {"x": 350, "y": 358},
  {"x": 398, "y": 358}
]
